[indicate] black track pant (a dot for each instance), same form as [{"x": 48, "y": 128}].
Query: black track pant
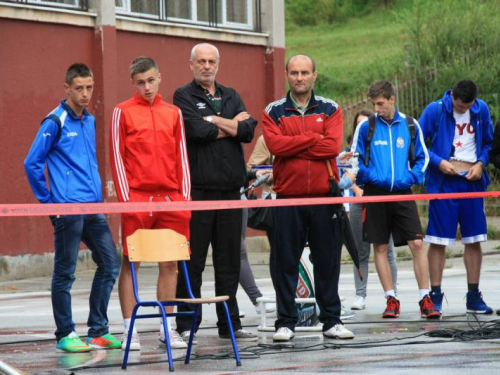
[
  {"x": 292, "y": 227},
  {"x": 221, "y": 228}
]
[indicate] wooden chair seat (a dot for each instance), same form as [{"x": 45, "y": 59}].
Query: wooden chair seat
[{"x": 206, "y": 300}]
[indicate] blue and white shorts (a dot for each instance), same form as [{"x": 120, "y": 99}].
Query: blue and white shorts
[{"x": 446, "y": 214}]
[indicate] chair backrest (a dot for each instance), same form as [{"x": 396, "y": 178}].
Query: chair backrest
[{"x": 157, "y": 245}]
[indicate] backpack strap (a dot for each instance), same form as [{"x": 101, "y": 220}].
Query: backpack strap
[
  {"x": 372, "y": 122},
  {"x": 57, "y": 120},
  {"x": 413, "y": 134}
]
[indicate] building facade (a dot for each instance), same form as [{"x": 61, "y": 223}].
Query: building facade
[{"x": 39, "y": 39}]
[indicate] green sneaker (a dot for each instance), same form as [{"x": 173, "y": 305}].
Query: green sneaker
[
  {"x": 72, "y": 344},
  {"x": 107, "y": 341}
]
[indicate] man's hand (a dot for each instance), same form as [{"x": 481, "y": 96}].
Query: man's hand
[
  {"x": 447, "y": 168},
  {"x": 242, "y": 116},
  {"x": 262, "y": 172},
  {"x": 228, "y": 127},
  {"x": 344, "y": 157},
  {"x": 475, "y": 172},
  {"x": 358, "y": 192},
  {"x": 222, "y": 134}
]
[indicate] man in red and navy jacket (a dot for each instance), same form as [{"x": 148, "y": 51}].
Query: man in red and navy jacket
[{"x": 304, "y": 131}]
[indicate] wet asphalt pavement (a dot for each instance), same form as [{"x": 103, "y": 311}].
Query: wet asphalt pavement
[{"x": 400, "y": 346}]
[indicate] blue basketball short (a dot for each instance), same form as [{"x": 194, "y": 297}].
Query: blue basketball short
[{"x": 446, "y": 214}]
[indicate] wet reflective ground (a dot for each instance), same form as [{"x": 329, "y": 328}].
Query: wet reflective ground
[{"x": 398, "y": 346}]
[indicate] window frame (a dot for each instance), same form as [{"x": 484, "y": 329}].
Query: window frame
[
  {"x": 126, "y": 10},
  {"x": 251, "y": 8},
  {"x": 77, "y": 4}
]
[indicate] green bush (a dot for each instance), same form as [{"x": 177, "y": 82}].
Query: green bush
[{"x": 457, "y": 39}]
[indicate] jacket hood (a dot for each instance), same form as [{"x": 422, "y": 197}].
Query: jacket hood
[{"x": 448, "y": 104}]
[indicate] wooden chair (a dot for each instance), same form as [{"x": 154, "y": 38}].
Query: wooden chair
[{"x": 166, "y": 245}]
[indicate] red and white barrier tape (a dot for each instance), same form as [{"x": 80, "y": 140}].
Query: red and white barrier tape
[{"x": 16, "y": 210}]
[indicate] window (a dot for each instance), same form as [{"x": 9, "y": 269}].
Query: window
[
  {"x": 70, "y": 4},
  {"x": 140, "y": 8},
  {"x": 237, "y": 14},
  {"x": 179, "y": 9}
]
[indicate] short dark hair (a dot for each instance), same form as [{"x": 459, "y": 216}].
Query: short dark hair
[
  {"x": 301, "y": 54},
  {"x": 364, "y": 112},
  {"x": 142, "y": 64},
  {"x": 77, "y": 70},
  {"x": 465, "y": 90},
  {"x": 381, "y": 88}
]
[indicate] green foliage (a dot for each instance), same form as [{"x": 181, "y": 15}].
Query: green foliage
[
  {"x": 493, "y": 233},
  {"x": 403, "y": 254},
  {"x": 352, "y": 54},
  {"x": 316, "y": 12},
  {"x": 458, "y": 39}
]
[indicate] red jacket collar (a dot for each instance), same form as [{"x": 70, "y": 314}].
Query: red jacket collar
[{"x": 140, "y": 100}]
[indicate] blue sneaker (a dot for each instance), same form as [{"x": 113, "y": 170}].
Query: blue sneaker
[
  {"x": 437, "y": 300},
  {"x": 476, "y": 304}
]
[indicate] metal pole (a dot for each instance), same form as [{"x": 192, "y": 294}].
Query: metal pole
[{"x": 9, "y": 370}]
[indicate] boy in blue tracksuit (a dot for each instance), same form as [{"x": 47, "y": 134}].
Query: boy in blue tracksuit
[
  {"x": 65, "y": 143},
  {"x": 391, "y": 167},
  {"x": 460, "y": 130}
]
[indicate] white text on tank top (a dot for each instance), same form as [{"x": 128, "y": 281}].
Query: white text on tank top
[{"x": 464, "y": 142}]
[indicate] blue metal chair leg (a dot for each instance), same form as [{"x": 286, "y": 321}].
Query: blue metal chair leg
[
  {"x": 231, "y": 332},
  {"x": 191, "y": 334},
  {"x": 129, "y": 338},
  {"x": 167, "y": 338}
]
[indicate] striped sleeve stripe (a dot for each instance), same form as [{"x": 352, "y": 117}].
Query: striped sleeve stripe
[
  {"x": 63, "y": 118},
  {"x": 325, "y": 100},
  {"x": 273, "y": 104},
  {"x": 119, "y": 167},
  {"x": 422, "y": 143},
  {"x": 186, "y": 178}
]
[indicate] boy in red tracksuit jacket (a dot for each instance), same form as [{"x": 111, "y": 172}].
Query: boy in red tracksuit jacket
[{"x": 149, "y": 163}]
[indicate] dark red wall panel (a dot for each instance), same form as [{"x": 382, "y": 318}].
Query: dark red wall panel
[{"x": 33, "y": 59}]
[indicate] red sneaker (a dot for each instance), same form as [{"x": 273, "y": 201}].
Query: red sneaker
[
  {"x": 427, "y": 309},
  {"x": 392, "y": 309}
]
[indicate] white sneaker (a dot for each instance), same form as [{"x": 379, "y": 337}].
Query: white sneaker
[
  {"x": 176, "y": 341},
  {"x": 283, "y": 334},
  {"x": 185, "y": 336},
  {"x": 359, "y": 303},
  {"x": 338, "y": 331},
  {"x": 270, "y": 307},
  {"x": 344, "y": 314},
  {"x": 134, "y": 343}
]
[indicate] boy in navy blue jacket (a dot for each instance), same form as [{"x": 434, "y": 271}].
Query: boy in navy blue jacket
[
  {"x": 460, "y": 130},
  {"x": 65, "y": 143},
  {"x": 392, "y": 167}
]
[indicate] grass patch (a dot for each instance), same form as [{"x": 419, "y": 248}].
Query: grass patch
[
  {"x": 351, "y": 55},
  {"x": 448, "y": 253},
  {"x": 493, "y": 233},
  {"x": 403, "y": 254}
]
